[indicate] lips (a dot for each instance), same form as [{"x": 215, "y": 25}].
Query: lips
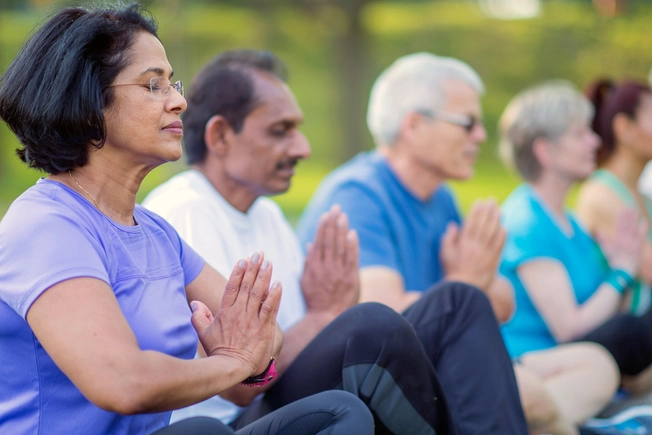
[
  {"x": 286, "y": 167},
  {"x": 175, "y": 127}
]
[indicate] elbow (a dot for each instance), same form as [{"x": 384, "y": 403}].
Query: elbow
[{"x": 122, "y": 397}]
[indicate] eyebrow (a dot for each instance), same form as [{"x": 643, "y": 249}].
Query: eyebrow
[{"x": 156, "y": 70}]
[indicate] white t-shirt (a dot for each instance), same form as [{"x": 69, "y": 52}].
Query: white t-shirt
[{"x": 223, "y": 235}]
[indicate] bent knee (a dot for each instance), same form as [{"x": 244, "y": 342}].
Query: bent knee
[{"x": 375, "y": 319}]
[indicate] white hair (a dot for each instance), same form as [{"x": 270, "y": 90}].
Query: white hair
[
  {"x": 413, "y": 83},
  {"x": 545, "y": 111}
]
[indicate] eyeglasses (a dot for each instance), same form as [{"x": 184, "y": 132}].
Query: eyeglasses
[
  {"x": 159, "y": 87},
  {"x": 467, "y": 122}
]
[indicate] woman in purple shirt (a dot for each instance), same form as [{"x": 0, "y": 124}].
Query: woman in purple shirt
[{"x": 99, "y": 298}]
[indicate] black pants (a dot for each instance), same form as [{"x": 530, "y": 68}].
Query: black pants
[
  {"x": 629, "y": 340},
  {"x": 442, "y": 368},
  {"x": 330, "y": 412}
]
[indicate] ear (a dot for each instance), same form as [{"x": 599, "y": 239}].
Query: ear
[
  {"x": 543, "y": 151},
  {"x": 218, "y": 135},
  {"x": 622, "y": 127},
  {"x": 410, "y": 124}
]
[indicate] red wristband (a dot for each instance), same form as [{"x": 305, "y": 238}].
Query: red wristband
[{"x": 264, "y": 378}]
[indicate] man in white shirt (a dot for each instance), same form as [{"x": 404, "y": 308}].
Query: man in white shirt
[{"x": 242, "y": 142}]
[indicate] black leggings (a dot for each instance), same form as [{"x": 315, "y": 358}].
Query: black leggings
[
  {"x": 327, "y": 413},
  {"x": 629, "y": 340},
  {"x": 442, "y": 368}
]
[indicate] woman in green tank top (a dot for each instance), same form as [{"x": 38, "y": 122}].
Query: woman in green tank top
[{"x": 623, "y": 119}]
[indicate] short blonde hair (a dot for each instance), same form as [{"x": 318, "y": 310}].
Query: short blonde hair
[{"x": 544, "y": 111}]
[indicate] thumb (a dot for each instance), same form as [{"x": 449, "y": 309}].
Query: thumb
[
  {"x": 201, "y": 316},
  {"x": 450, "y": 235}
]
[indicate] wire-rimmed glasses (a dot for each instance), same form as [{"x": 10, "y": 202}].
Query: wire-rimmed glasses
[{"x": 160, "y": 87}]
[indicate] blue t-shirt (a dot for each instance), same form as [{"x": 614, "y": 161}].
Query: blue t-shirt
[
  {"x": 533, "y": 233},
  {"x": 396, "y": 229},
  {"x": 50, "y": 234}
]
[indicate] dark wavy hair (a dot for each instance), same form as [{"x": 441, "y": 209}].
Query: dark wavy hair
[
  {"x": 610, "y": 99},
  {"x": 54, "y": 93},
  {"x": 224, "y": 86}
]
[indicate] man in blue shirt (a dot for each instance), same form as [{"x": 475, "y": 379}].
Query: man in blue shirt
[{"x": 426, "y": 119}]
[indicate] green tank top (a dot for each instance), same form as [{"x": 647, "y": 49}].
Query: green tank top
[{"x": 641, "y": 291}]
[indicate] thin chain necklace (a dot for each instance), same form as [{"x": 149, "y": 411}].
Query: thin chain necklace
[{"x": 87, "y": 193}]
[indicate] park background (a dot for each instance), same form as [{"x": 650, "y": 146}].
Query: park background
[{"x": 334, "y": 49}]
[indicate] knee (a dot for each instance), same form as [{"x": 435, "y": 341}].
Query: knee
[
  {"x": 465, "y": 298},
  {"x": 376, "y": 323},
  {"x": 594, "y": 357},
  {"x": 377, "y": 319},
  {"x": 540, "y": 410},
  {"x": 351, "y": 413}
]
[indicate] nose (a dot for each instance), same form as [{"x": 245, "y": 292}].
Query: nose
[
  {"x": 479, "y": 133},
  {"x": 176, "y": 102},
  {"x": 300, "y": 147}
]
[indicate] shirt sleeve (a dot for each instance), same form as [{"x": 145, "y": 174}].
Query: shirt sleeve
[
  {"x": 43, "y": 248},
  {"x": 367, "y": 216},
  {"x": 192, "y": 262},
  {"x": 526, "y": 242}
]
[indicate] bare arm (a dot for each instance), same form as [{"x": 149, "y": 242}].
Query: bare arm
[
  {"x": 550, "y": 289},
  {"x": 501, "y": 295},
  {"x": 385, "y": 285},
  {"x": 468, "y": 255},
  {"x": 98, "y": 351}
]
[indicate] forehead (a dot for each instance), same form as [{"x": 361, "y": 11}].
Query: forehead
[
  {"x": 146, "y": 57},
  {"x": 460, "y": 96},
  {"x": 275, "y": 100}
]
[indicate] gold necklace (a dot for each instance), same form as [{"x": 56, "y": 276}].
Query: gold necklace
[{"x": 87, "y": 193}]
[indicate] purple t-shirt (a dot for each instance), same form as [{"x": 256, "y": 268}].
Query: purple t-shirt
[{"x": 50, "y": 234}]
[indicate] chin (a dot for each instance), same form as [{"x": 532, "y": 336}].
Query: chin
[{"x": 278, "y": 188}]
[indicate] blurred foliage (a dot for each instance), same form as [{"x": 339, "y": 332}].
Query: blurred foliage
[{"x": 568, "y": 40}]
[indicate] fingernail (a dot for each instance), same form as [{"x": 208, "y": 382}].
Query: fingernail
[
  {"x": 276, "y": 284},
  {"x": 255, "y": 258},
  {"x": 341, "y": 221},
  {"x": 265, "y": 265},
  {"x": 193, "y": 306},
  {"x": 242, "y": 264}
]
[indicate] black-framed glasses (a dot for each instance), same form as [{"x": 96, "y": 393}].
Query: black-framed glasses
[
  {"x": 467, "y": 122},
  {"x": 160, "y": 87}
]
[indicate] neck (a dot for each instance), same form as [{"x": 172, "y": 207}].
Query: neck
[
  {"x": 626, "y": 165},
  {"x": 553, "y": 190},
  {"x": 239, "y": 196},
  {"x": 109, "y": 186},
  {"x": 420, "y": 181}
]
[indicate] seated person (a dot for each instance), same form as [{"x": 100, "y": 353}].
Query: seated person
[
  {"x": 565, "y": 287},
  {"x": 101, "y": 302},
  {"x": 242, "y": 140},
  {"x": 425, "y": 115},
  {"x": 623, "y": 120}
]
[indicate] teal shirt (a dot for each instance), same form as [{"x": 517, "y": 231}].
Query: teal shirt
[{"x": 533, "y": 233}]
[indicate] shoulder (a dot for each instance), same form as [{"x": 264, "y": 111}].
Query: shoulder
[
  {"x": 363, "y": 173},
  {"x": 597, "y": 203},
  {"x": 186, "y": 195},
  {"x": 521, "y": 212},
  {"x": 182, "y": 190},
  {"x": 48, "y": 205}
]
